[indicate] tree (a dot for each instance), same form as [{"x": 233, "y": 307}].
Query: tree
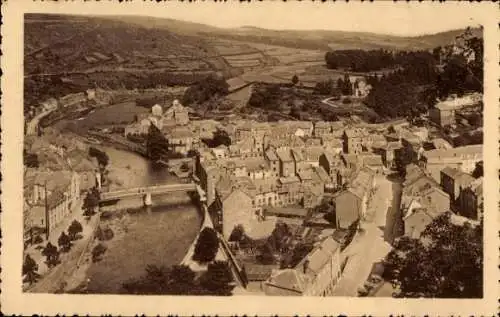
[
  {"x": 217, "y": 279},
  {"x": 220, "y": 137},
  {"x": 102, "y": 157},
  {"x": 295, "y": 79},
  {"x": 64, "y": 242},
  {"x": 266, "y": 254},
  {"x": 30, "y": 270},
  {"x": 324, "y": 87},
  {"x": 478, "y": 170},
  {"x": 156, "y": 144},
  {"x": 31, "y": 160},
  {"x": 237, "y": 234},
  {"x": 346, "y": 87},
  {"x": 206, "y": 246},
  {"x": 295, "y": 112},
  {"x": 90, "y": 202},
  {"x": 446, "y": 262},
  {"x": 98, "y": 251},
  {"x": 206, "y": 89},
  {"x": 52, "y": 255},
  {"x": 74, "y": 228}
]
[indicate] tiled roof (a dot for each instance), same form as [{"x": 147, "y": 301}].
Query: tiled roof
[
  {"x": 271, "y": 154},
  {"x": 284, "y": 155},
  {"x": 285, "y": 282}
]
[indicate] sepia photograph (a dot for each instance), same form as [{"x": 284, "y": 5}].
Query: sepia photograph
[{"x": 191, "y": 155}]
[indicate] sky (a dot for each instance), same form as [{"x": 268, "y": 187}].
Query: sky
[{"x": 405, "y": 19}]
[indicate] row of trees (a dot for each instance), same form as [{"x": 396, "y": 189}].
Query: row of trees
[
  {"x": 51, "y": 253},
  {"x": 204, "y": 90},
  {"x": 181, "y": 280},
  {"x": 361, "y": 60},
  {"x": 342, "y": 86},
  {"x": 446, "y": 262}
]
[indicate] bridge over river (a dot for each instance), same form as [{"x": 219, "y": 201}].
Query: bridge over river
[{"x": 147, "y": 191}]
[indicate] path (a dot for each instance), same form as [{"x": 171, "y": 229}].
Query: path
[{"x": 372, "y": 245}]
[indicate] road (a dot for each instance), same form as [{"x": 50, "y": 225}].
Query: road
[
  {"x": 31, "y": 128},
  {"x": 373, "y": 244},
  {"x": 54, "y": 279}
]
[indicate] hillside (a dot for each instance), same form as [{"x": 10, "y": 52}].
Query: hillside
[{"x": 65, "y": 54}]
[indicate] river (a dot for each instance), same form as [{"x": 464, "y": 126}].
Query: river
[{"x": 159, "y": 235}]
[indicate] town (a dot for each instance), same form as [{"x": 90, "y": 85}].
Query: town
[{"x": 310, "y": 203}]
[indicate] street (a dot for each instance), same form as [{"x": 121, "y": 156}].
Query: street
[
  {"x": 372, "y": 244},
  {"x": 51, "y": 279}
]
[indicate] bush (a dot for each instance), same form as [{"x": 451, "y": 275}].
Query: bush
[
  {"x": 266, "y": 255},
  {"x": 206, "y": 246},
  {"x": 104, "y": 234},
  {"x": 217, "y": 279},
  {"x": 98, "y": 251},
  {"x": 74, "y": 228},
  {"x": 38, "y": 239}
]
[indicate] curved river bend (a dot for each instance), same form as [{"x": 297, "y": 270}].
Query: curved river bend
[{"x": 159, "y": 235}]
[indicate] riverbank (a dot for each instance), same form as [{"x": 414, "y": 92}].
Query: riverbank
[{"x": 158, "y": 235}]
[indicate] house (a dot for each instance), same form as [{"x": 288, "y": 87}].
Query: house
[
  {"x": 453, "y": 180},
  {"x": 298, "y": 160},
  {"x": 322, "y": 128},
  {"x": 315, "y": 275},
  {"x": 289, "y": 190},
  {"x": 463, "y": 158},
  {"x": 181, "y": 140},
  {"x": 274, "y": 161},
  {"x": 140, "y": 127},
  {"x": 391, "y": 154},
  {"x": 471, "y": 200},
  {"x": 52, "y": 197},
  {"x": 312, "y": 154},
  {"x": 351, "y": 204},
  {"x": 287, "y": 164},
  {"x": 265, "y": 193},
  {"x": 333, "y": 144},
  {"x": 177, "y": 113},
  {"x": 422, "y": 201},
  {"x": 354, "y": 139},
  {"x": 208, "y": 173},
  {"x": 444, "y": 112},
  {"x": 417, "y": 219},
  {"x": 330, "y": 162},
  {"x": 85, "y": 169},
  {"x": 236, "y": 207}
]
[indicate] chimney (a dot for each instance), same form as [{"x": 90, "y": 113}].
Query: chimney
[{"x": 305, "y": 266}]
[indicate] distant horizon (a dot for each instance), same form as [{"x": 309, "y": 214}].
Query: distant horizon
[{"x": 401, "y": 19}]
